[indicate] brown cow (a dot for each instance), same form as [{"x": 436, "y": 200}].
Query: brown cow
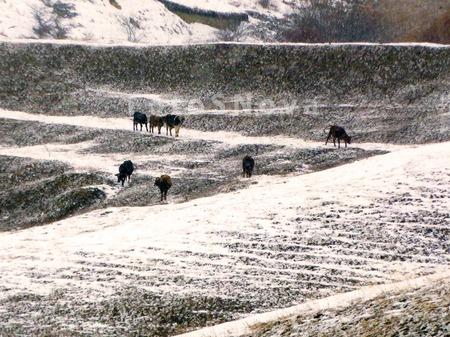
[
  {"x": 157, "y": 121},
  {"x": 164, "y": 183}
]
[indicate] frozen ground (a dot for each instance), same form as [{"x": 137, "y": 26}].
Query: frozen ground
[
  {"x": 284, "y": 240},
  {"x": 98, "y": 21},
  {"x": 292, "y": 250}
]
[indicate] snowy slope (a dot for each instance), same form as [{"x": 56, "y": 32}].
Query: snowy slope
[
  {"x": 100, "y": 22},
  {"x": 318, "y": 235}
]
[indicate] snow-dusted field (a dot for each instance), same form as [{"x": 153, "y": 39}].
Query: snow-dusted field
[
  {"x": 98, "y": 21},
  {"x": 284, "y": 240},
  {"x": 298, "y": 238}
]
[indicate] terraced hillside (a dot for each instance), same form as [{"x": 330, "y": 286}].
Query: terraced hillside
[
  {"x": 82, "y": 256},
  {"x": 251, "y": 246}
]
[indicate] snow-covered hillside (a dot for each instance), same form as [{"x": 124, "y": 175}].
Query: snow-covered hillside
[
  {"x": 137, "y": 21},
  {"x": 317, "y": 238},
  {"x": 99, "y": 21},
  {"x": 285, "y": 239}
]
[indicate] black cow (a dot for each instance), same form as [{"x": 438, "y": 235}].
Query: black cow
[
  {"x": 157, "y": 121},
  {"x": 248, "y": 163},
  {"x": 139, "y": 118},
  {"x": 125, "y": 171},
  {"x": 173, "y": 122},
  {"x": 339, "y": 133},
  {"x": 164, "y": 183}
]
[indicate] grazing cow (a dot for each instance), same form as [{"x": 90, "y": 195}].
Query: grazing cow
[
  {"x": 125, "y": 171},
  {"x": 139, "y": 118},
  {"x": 173, "y": 122},
  {"x": 157, "y": 121},
  {"x": 339, "y": 133},
  {"x": 248, "y": 163},
  {"x": 164, "y": 183}
]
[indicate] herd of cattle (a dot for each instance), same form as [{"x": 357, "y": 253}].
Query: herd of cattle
[
  {"x": 171, "y": 121},
  {"x": 164, "y": 183}
]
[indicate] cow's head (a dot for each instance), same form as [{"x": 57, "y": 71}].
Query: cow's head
[
  {"x": 178, "y": 121},
  {"x": 121, "y": 178},
  {"x": 177, "y": 130},
  {"x": 158, "y": 181},
  {"x": 348, "y": 139}
]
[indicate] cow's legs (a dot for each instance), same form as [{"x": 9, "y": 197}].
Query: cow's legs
[
  {"x": 163, "y": 195},
  {"x": 328, "y": 137}
]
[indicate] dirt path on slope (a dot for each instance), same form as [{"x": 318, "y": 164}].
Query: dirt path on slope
[{"x": 231, "y": 138}]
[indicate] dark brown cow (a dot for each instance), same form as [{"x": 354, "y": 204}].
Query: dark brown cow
[
  {"x": 248, "y": 163},
  {"x": 164, "y": 183},
  {"x": 157, "y": 121},
  {"x": 339, "y": 133}
]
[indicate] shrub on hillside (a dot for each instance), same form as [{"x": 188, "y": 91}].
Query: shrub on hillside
[
  {"x": 132, "y": 28},
  {"x": 64, "y": 10},
  {"x": 50, "y": 24},
  {"x": 234, "y": 33},
  {"x": 332, "y": 21},
  {"x": 264, "y": 3}
]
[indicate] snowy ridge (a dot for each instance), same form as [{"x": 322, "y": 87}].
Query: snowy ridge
[{"x": 276, "y": 7}]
